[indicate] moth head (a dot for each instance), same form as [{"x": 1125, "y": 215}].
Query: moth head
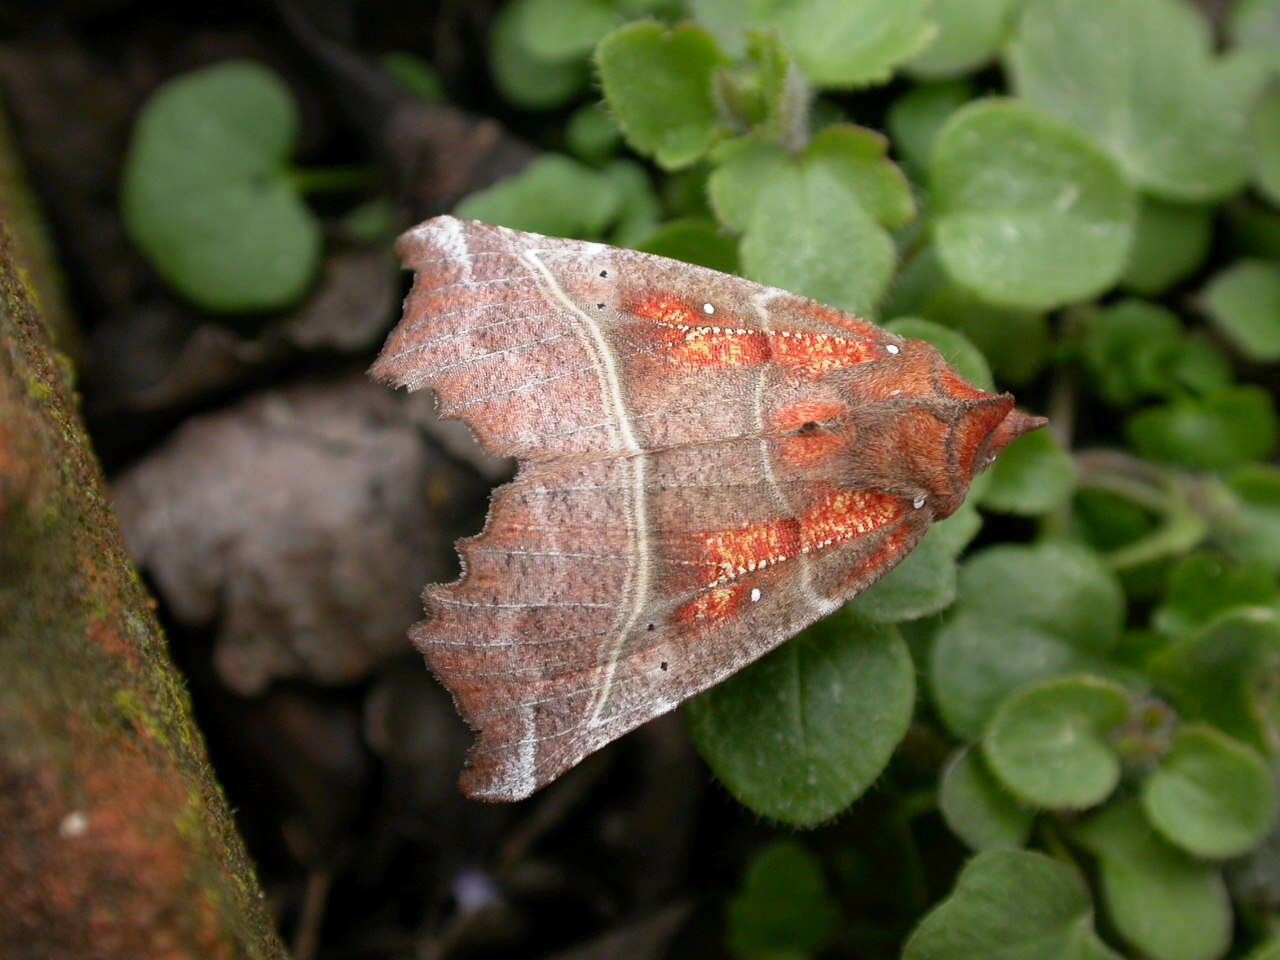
[{"x": 951, "y": 430}]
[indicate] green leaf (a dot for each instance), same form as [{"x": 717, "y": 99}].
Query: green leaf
[
  {"x": 1203, "y": 585},
  {"x": 1227, "y": 675},
  {"x": 207, "y": 195},
  {"x": 1244, "y": 303},
  {"x": 1256, "y": 535},
  {"x": 1221, "y": 430},
  {"x": 552, "y": 195},
  {"x": 1265, "y": 128},
  {"x": 1029, "y": 213},
  {"x": 744, "y": 168},
  {"x": 1268, "y": 950},
  {"x": 916, "y": 117},
  {"x": 1056, "y": 586},
  {"x": 694, "y": 240},
  {"x": 1049, "y": 744},
  {"x": 1011, "y": 904},
  {"x": 658, "y": 83},
  {"x": 638, "y": 206},
  {"x": 810, "y": 234},
  {"x": 1136, "y": 349},
  {"x": 838, "y": 43},
  {"x": 413, "y": 74},
  {"x": 784, "y": 909},
  {"x": 1103, "y": 67},
  {"x": 558, "y": 30},
  {"x": 1015, "y": 342},
  {"x": 971, "y": 32},
  {"x": 1169, "y": 243},
  {"x": 1211, "y": 795},
  {"x": 977, "y": 808},
  {"x": 924, "y": 582},
  {"x": 1024, "y": 614},
  {"x": 858, "y": 158},
  {"x": 1255, "y": 24},
  {"x": 591, "y": 135},
  {"x": 1034, "y": 475},
  {"x": 853, "y": 157},
  {"x": 959, "y": 352},
  {"x": 524, "y": 79},
  {"x": 1163, "y": 902},
  {"x": 800, "y": 734}
]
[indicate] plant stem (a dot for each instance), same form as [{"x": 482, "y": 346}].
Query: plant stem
[{"x": 310, "y": 180}]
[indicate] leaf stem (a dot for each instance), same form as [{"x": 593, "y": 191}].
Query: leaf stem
[{"x": 312, "y": 180}]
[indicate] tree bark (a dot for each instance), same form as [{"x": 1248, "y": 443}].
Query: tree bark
[{"x": 115, "y": 838}]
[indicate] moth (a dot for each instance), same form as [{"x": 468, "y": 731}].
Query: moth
[{"x": 705, "y": 467}]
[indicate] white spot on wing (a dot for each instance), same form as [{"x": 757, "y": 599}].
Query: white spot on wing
[
  {"x": 755, "y": 594},
  {"x": 708, "y": 308},
  {"x": 892, "y": 348}
]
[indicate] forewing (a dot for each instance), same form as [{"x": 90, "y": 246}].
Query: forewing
[
  {"x": 606, "y": 592},
  {"x": 549, "y": 347}
]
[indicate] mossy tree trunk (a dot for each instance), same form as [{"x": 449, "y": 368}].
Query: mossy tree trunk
[{"x": 115, "y": 838}]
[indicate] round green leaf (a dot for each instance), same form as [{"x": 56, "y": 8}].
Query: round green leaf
[
  {"x": 1056, "y": 586},
  {"x": 1103, "y": 66},
  {"x": 1256, "y": 535},
  {"x": 1131, "y": 351},
  {"x": 970, "y": 33},
  {"x": 1163, "y": 902},
  {"x": 1024, "y": 614},
  {"x": 922, "y": 584},
  {"x": 810, "y": 234},
  {"x": 1203, "y": 585},
  {"x": 1211, "y": 795},
  {"x": 800, "y": 734},
  {"x": 1015, "y": 342},
  {"x": 1029, "y": 213},
  {"x": 592, "y": 135},
  {"x": 1244, "y": 303},
  {"x": 558, "y": 30},
  {"x": 977, "y": 659},
  {"x": 207, "y": 195},
  {"x": 857, "y": 157},
  {"x": 1170, "y": 241},
  {"x": 1049, "y": 744},
  {"x": 916, "y": 117},
  {"x": 1256, "y": 24},
  {"x": 658, "y": 83},
  {"x": 838, "y": 43},
  {"x": 552, "y": 195},
  {"x": 1011, "y": 904},
  {"x": 743, "y": 169},
  {"x": 977, "y": 808},
  {"x": 784, "y": 908},
  {"x": 1033, "y": 475},
  {"x": 524, "y": 79},
  {"x": 1226, "y": 675},
  {"x": 959, "y": 352},
  {"x": 638, "y": 206},
  {"x": 694, "y": 240},
  {"x": 1221, "y": 430}
]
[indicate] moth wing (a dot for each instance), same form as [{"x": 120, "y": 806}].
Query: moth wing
[
  {"x": 604, "y": 593},
  {"x": 550, "y": 347}
]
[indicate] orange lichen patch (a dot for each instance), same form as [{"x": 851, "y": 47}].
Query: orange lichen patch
[
  {"x": 714, "y": 606},
  {"x": 838, "y": 517},
  {"x": 845, "y": 321},
  {"x": 102, "y": 870}
]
